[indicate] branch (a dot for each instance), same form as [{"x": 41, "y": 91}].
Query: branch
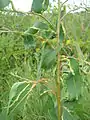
[
  {"x": 30, "y": 81},
  {"x": 72, "y": 11},
  {"x": 63, "y": 3}
]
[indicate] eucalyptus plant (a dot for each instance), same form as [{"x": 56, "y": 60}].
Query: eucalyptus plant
[{"x": 51, "y": 45}]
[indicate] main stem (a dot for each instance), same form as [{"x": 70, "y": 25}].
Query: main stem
[{"x": 58, "y": 96}]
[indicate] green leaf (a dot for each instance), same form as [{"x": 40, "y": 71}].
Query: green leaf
[
  {"x": 74, "y": 65},
  {"x": 82, "y": 109},
  {"x": 39, "y": 5},
  {"x": 41, "y": 25},
  {"x": 45, "y": 4},
  {"x": 79, "y": 109},
  {"x": 31, "y": 30},
  {"x": 79, "y": 51},
  {"x": 48, "y": 34},
  {"x": 4, "y": 116},
  {"x": 36, "y": 27},
  {"x": 14, "y": 90},
  {"x": 74, "y": 85},
  {"x": 4, "y": 3},
  {"x": 29, "y": 41},
  {"x": 49, "y": 106},
  {"x": 62, "y": 33},
  {"x": 49, "y": 58},
  {"x": 69, "y": 115},
  {"x": 17, "y": 94}
]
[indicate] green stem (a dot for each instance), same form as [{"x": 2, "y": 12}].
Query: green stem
[{"x": 58, "y": 96}]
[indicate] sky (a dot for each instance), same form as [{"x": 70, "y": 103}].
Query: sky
[{"x": 25, "y": 5}]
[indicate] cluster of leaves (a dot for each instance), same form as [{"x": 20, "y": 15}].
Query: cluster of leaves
[{"x": 31, "y": 53}]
